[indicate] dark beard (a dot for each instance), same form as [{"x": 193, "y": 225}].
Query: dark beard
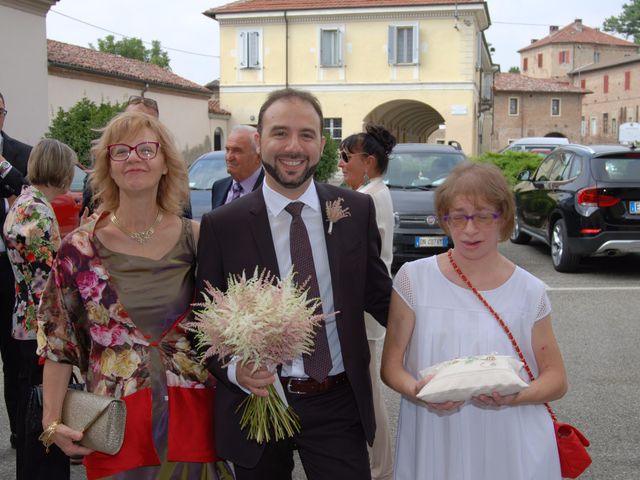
[{"x": 273, "y": 172}]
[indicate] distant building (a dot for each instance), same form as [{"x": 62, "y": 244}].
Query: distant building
[
  {"x": 614, "y": 98},
  {"x": 23, "y": 67},
  {"x": 569, "y": 48},
  {"x": 76, "y": 72},
  {"x": 421, "y": 68},
  {"x": 534, "y": 107}
]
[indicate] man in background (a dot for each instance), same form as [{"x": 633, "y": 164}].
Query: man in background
[
  {"x": 243, "y": 166},
  {"x": 14, "y": 156}
]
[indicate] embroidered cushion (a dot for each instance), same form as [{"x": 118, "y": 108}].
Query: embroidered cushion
[{"x": 463, "y": 378}]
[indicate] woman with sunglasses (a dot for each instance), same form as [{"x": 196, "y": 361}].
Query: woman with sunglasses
[
  {"x": 122, "y": 286},
  {"x": 364, "y": 158},
  {"x": 435, "y": 316}
]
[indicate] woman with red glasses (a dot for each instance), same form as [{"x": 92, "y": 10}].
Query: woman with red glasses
[
  {"x": 436, "y": 316},
  {"x": 364, "y": 158},
  {"x": 122, "y": 286}
]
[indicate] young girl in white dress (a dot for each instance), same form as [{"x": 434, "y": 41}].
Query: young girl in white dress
[{"x": 434, "y": 317}]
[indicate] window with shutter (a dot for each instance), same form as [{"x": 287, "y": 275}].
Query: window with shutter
[
  {"x": 555, "y": 107},
  {"x": 627, "y": 80},
  {"x": 249, "y": 49},
  {"x": 403, "y": 45},
  {"x": 605, "y": 86},
  {"x": 330, "y": 47},
  {"x": 539, "y": 60},
  {"x": 525, "y": 64}
]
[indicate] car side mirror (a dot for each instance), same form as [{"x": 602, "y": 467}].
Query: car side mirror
[{"x": 524, "y": 176}]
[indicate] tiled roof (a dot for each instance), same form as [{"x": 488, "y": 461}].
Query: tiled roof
[
  {"x": 89, "y": 60},
  {"x": 515, "y": 82},
  {"x": 214, "y": 107},
  {"x": 576, "y": 32},
  {"x": 244, "y": 6}
]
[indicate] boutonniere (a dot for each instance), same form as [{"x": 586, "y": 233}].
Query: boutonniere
[{"x": 335, "y": 212}]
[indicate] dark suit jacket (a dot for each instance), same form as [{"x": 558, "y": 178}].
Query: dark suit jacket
[
  {"x": 220, "y": 189},
  {"x": 238, "y": 238},
  {"x": 17, "y": 153}
]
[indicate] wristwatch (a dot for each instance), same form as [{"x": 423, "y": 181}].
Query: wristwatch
[{"x": 5, "y": 166}]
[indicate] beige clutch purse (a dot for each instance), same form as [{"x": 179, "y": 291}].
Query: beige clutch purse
[{"x": 101, "y": 419}]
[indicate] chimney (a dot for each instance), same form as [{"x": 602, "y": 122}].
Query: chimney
[
  {"x": 578, "y": 24},
  {"x": 534, "y": 40},
  {"x": 553, "y": 29}
]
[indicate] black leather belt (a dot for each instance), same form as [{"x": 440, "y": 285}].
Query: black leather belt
[{"x": 304, "y": 386}]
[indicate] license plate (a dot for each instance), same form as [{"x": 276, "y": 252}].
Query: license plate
[
  {"x": 431, "y": 242},
  {"x": 634, "y": 207}
]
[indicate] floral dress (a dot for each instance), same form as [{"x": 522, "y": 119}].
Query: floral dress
[
  {"x": 32, "y": 239},
  {"x": 138, "y": 353}
]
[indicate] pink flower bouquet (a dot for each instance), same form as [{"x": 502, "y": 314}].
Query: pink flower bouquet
[{"x": 260, "y": 321}]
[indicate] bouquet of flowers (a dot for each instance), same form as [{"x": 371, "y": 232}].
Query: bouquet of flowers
[{"x": 262, "y": 321}]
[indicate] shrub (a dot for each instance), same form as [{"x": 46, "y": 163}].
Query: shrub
[
  {"x": 328, "y": 161},
  {"x": 511, "y": 163}
]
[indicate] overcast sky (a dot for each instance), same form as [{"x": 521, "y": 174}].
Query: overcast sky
[{"x": 181, "y": 27}]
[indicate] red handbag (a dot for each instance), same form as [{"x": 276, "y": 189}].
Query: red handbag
[{"x": 572, "y": 444}]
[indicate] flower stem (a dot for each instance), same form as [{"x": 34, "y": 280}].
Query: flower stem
[{"x": 267, "y": 416}]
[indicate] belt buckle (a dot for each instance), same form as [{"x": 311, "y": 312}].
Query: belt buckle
[{"x": 289, "y": 388}]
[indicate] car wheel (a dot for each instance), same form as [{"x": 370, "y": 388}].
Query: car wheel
[
  {"x": 561, "y": 256},
  {"x": 518, "y": 236}
]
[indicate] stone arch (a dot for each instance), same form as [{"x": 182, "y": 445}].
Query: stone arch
[
  {"x": 556, "y": 135},
  {"x": 410, "y": 121}
]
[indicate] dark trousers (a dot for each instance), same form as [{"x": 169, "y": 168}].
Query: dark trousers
[
  {"x": 8, "y": 346},
  {"x": 32, "y": 461},
  {"x": 331, "y": 442}
]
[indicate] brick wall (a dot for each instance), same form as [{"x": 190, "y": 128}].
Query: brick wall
[{"x": 534, "y": 118}]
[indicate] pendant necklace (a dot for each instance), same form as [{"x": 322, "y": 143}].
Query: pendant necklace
[{"x": 140, "y": 237}]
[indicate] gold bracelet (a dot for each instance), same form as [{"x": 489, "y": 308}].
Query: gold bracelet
[{"x": 46, "y": 437}]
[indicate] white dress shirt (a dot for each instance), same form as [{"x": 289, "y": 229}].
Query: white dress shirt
[{"x": 280, "y": 222}]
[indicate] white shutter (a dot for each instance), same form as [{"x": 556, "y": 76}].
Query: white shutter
[
  {"x": 326, "y": 44},
  {"x": 254, "y": 49},
  {"x": 339, "y": 47},
  {"x": 416, "y": 44},
  {"x": 244, "y": 52},
  {"x": 391, "y": 46}
]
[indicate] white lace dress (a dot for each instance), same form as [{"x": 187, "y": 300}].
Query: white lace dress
[{"x": 472, "y": 443}]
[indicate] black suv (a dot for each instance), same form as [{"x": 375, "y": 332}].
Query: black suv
[
  {"x": 414, "y": 172},
  {"x": 582, "y": 201}
]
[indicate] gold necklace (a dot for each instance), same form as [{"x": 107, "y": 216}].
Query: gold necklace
[{"x": 140, "y": 237}]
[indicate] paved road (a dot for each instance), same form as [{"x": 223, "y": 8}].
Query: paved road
[{"x": 596, "y": 314}]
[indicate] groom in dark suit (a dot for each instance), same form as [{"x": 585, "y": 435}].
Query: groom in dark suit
[
  {"x": 243, "y": 165},
  {"x": 281, "y": 226}
]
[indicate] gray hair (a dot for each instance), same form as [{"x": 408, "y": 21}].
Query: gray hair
[{"x": 250, "y": 131}]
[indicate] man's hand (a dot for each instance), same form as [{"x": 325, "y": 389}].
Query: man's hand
[{"x": 255, "y": 382}]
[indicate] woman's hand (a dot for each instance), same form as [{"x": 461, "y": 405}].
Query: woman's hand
[
  {"x": 66, "y": 439},
  {"x": 86, "y": 217},
  {"x": 494, "y": 400},
  {"x": 440, "y": 407}
]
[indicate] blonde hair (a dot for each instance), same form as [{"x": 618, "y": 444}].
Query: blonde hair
[
  {"x": 51, "y": 163},
  {"x": 173, "y": 189},
  {"x": 478, "y": 182}
]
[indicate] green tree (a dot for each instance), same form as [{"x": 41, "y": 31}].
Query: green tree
[
  {"x": 134, "y": 48},
  {"x": 79, "y": 126},
  {"x": 627, "y": 23},
  {"x": 514, "y": 70},
  {"x": 328, "y": 161},
  {"x": 511, "y": 163}
]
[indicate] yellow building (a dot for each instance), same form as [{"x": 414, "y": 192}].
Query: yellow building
[{"x": 421, "y": 68}]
